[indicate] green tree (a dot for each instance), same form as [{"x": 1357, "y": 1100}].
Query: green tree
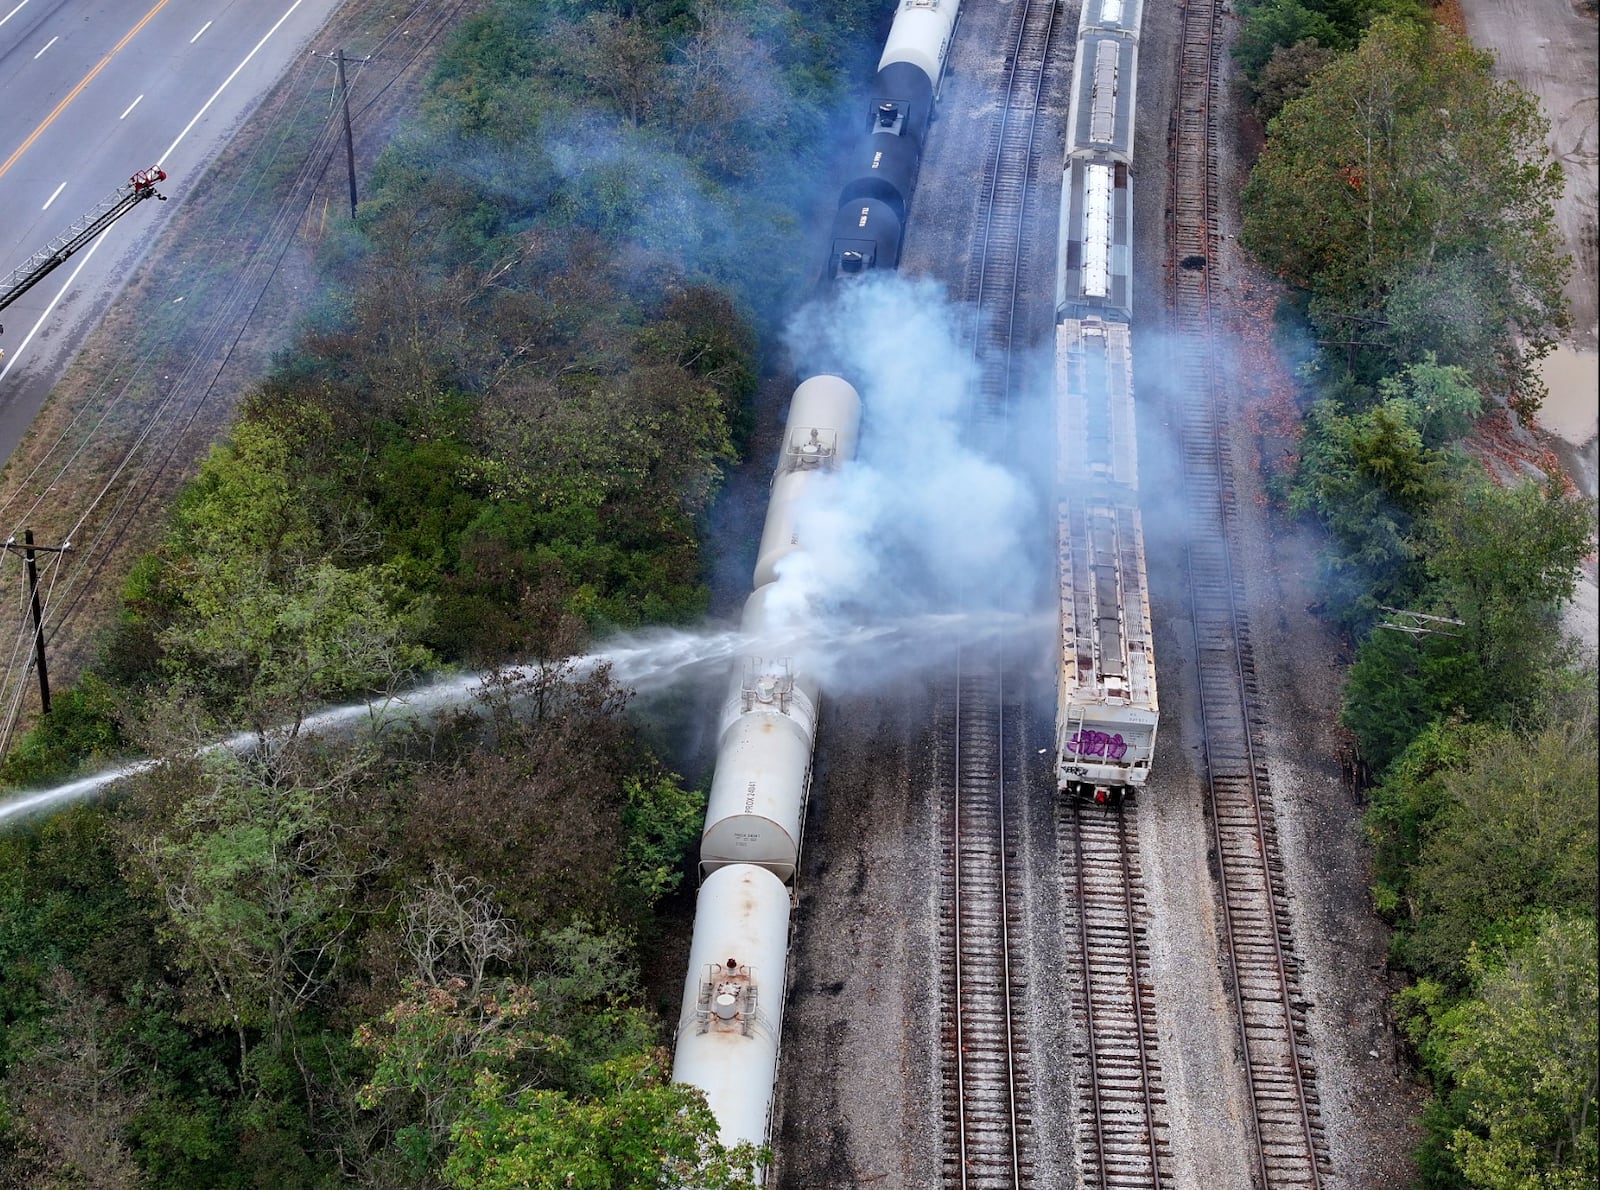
[
  {"x": 1503, "y": 560},
  {"x": 1403, "y": 162},
  {"x": 638, "y": 1129},
  {"x": 263, "y": 612},
  {"x": 1274, "y": 24},
  {"x": 76, "y": 1095},
  {"x": 1414, "y": 790},
  {"x": 1525, "y": 1056},
  {"x": 1520, "y": 833},
  {"x": 662, "y": 821},
  {"x": 82, "y": 724},
  {"x": 1399, "y": 686},
  {"x": 1444, "y": 401},
  {"x": 553, "y": 1029},
  {"x": 1287, "y": 74},
  {"x": 257, "y": 866},
  {"x": 1369, "y": 477}
]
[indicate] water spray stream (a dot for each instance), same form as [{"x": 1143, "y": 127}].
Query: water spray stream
[{"x": 858, "y": 656}]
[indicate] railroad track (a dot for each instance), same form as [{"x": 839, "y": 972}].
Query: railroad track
[
  {"x": 1285, "y": 1123},
  {"x": 987, "y": 1086},
  {"x": 1121, "y": 1101},
  {"x": 987, "y": 1091},
  {"x": 1003, "y": 226}
]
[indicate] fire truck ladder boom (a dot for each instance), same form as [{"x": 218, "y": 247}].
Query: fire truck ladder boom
[{"x": 114, "y": 206}]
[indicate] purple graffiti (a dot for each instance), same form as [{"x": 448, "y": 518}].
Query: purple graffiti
[{"x": 1098, "y": 743}]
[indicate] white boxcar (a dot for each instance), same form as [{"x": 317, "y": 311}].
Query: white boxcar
[
  {"x": 732, "y": 1012},
  {"x": 755, "y": 810},
  {"x": 824, "y": 419}
]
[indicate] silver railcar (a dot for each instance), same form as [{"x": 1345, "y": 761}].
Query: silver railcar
[{"x": 1107, "y": 708}]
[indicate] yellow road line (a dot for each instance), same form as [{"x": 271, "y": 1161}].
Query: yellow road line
[{"x": 76, "y": 91}]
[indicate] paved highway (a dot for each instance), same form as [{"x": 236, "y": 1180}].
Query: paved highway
[{"x": 90, "y": 91}]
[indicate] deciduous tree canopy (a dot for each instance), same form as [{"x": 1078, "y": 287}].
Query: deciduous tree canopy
[{"x": 1413, "y": 195}]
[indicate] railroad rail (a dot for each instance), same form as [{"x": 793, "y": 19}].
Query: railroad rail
[
  {"x": 1120, "y": 1095},
  {"x": 1002, "y": 263},
  {"x": 1285, "y": 1122},
  {"x": 988, "y": 1086}
]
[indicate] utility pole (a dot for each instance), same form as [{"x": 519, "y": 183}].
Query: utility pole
[
  {"x": 28, "y": 550},
  {"x": 349, "y": 139}
]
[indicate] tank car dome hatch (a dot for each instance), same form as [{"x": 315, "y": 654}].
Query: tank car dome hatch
[
  {"x": 769, "y": 689},
  {"x": 910, "y": 90},
  {"x": 812, "y": 452},
  {"x": 830, "y": 403},
  {"x": 770, "y": 618}
]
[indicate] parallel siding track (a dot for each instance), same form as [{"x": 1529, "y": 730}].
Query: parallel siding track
[
  {"x": 987, "y": 1084},
  {"x": 1119, "y": 1078},
  {"x": 1286, "y": 1125}
]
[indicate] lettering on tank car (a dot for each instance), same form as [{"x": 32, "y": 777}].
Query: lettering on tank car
[
  {"x": 877, "y": 159},
  {"x": 749, "y": 802},
  {"x": 865, "y": 211}
]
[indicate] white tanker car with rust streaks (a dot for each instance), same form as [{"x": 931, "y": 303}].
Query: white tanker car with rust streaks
[
  {"x": 1106, "y": 707},
  {"x": 731, "y": 1021},
  {"x": 732, "y": 1014}
]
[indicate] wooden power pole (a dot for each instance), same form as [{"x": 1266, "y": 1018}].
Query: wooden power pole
[
  {"x": 28, "y": 549},
  {"x": 349, "y": 138}
]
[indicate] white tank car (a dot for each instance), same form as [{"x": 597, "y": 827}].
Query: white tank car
[
  {"x": 758, "y": 792},
  {"x": 824, "y": 419},
  {"x": 733, "y": 999},
  {"x": 920, "y": 36}
]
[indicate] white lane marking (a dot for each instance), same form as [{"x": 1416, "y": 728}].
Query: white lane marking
[
  {"x": 13, "y": 12},
  {"x": 129, "y": 108},
  {"x": 54, "y": 195},
  {"x": 47, "y": 45},
  {"x": 14, "y": 356},
  {"x": 187, "y": 127},
  {"x": 193, "y": 39}
]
